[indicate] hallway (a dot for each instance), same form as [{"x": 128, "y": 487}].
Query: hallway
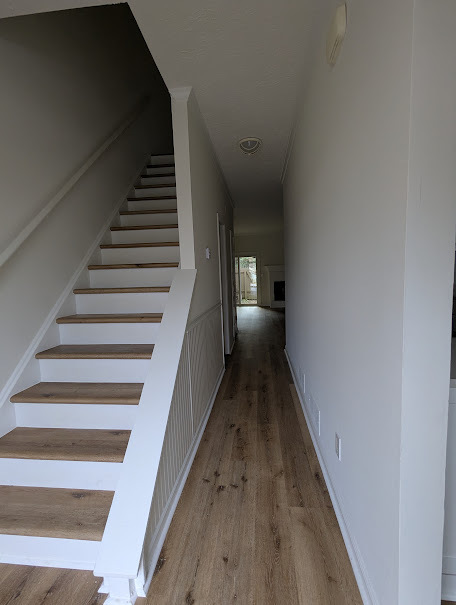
[{"x": 255, "y": 523}]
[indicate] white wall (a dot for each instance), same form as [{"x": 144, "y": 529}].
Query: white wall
[
  {"x": 202, "y": 196},
  {"x": 268, "y": 248},
  {"x": 429, "y": 253},
  {"x": 370, "y": 218},
  {"x": 67, "y": 84},
  {"x": 345, "y": 197}
]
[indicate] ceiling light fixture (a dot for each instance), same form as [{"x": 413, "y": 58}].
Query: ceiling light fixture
[{"x": 250, "y": 145}]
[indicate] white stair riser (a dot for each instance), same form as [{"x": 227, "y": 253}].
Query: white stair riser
[
  {"x": 130, "y": 278},
  {"x": 165, "y": 254},
  {"x": 48, "y": 552},
  {"x": 154, "y": 192},
  {"x": 94, "y": 370},
  {"x": 153, "y": 302},
  {"x": 67, "y": 474},
  {"x": 159, "y": 170},
  {"x": 128, "y": 333},
  {"x": 157, "y": 204},
  {"x": 136, "y": 236},
  {"x": 148, "y": 219},
  {"x": 161, "y": 159},
  {"x": 158, "y": 180},
  {"x": 76, "y": 416}
]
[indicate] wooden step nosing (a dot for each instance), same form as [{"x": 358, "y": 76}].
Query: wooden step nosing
[
  {"x": 80, "y": 392},
  {"x": 97, "y": 352},
  {"x": 153, "y": 212},
  {"x": 151, "y": 199},
  {"x": 156, "y": 186},
  {"x": 110, "y": 318},
  {"x": 134, "y": 266},
  {"x": 140, "y": 245},
  {"x": 148, "y": 166},
  {"x": 157, "y": 175},
  {"x": 131, "y": 290},
  {"x": 143, "y": 227}
]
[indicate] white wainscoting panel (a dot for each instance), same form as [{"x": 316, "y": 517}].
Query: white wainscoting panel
[
  {"x": 205, "y": 343},
  {"x": 201, "y": 369}
]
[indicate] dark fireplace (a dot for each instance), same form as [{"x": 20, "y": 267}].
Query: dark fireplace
[{"x": 279, "y": 290}]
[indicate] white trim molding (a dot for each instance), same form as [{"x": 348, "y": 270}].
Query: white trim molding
[{"x": 359, "y": 569}]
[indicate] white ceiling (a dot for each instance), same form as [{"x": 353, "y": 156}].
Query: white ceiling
[{"x": 247, "y": 61}]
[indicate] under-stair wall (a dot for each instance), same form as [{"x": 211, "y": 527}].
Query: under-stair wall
[{"x": 78, "y": 105}]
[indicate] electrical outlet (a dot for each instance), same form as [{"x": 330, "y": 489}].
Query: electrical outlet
[
  {"x": 314, "y": 412},
  {"x": 338, "y": 444},
  {"x": 302, "y": 380}
]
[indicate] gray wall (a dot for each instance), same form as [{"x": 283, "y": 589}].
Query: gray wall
[{"x": 68, "y": 80}]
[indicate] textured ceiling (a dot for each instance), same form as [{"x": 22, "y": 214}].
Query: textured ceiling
[{"x": 247, "y": 62}]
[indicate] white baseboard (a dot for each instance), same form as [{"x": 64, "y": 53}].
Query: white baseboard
[
  {"x": 359, "y": 569},
  {"x": 448, "y": 587},
  {"x": 168, "y": 512}
]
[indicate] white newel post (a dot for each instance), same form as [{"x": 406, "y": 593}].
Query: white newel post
[{"x": 121, "y": 591}]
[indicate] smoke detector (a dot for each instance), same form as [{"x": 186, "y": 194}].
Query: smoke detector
[
  {"x": 336, "y": 34},
  {"x": 250, "y": 145}
]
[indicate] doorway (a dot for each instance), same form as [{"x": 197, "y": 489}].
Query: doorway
[{"x": 246, "y": 280}]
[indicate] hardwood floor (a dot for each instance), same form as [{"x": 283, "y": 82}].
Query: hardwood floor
[
  {"x": 255, "y": 523},
  {"x": 23, "y": 585}
]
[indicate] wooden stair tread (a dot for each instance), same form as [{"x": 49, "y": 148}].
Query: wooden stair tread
[
  {"x": 122, "y": 351},
  {"x": 139, "y": 245},
  {"x": 131, "y": 290},
  {"x": 160, "y": 166},
  {"x": 110, "y": 318},
  {"x": 134, "y": 266},
  {"x": 140, "y": 227},
  {"x": 105, "y": 393},
  {"x": 156, "y": 186},
  {"x": 54, "y": 512},
  {"x": 157, "y": 174},
  {"x": 134, "y": 212},
  {"x": 150, "y": 199},
  {"x": 94, "y": 445}
]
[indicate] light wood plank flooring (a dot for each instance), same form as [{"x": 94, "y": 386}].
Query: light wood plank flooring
[{"x": 255, "y": 524}]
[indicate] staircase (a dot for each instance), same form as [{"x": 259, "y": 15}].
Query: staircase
[{"x": 59, "y": 467}]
